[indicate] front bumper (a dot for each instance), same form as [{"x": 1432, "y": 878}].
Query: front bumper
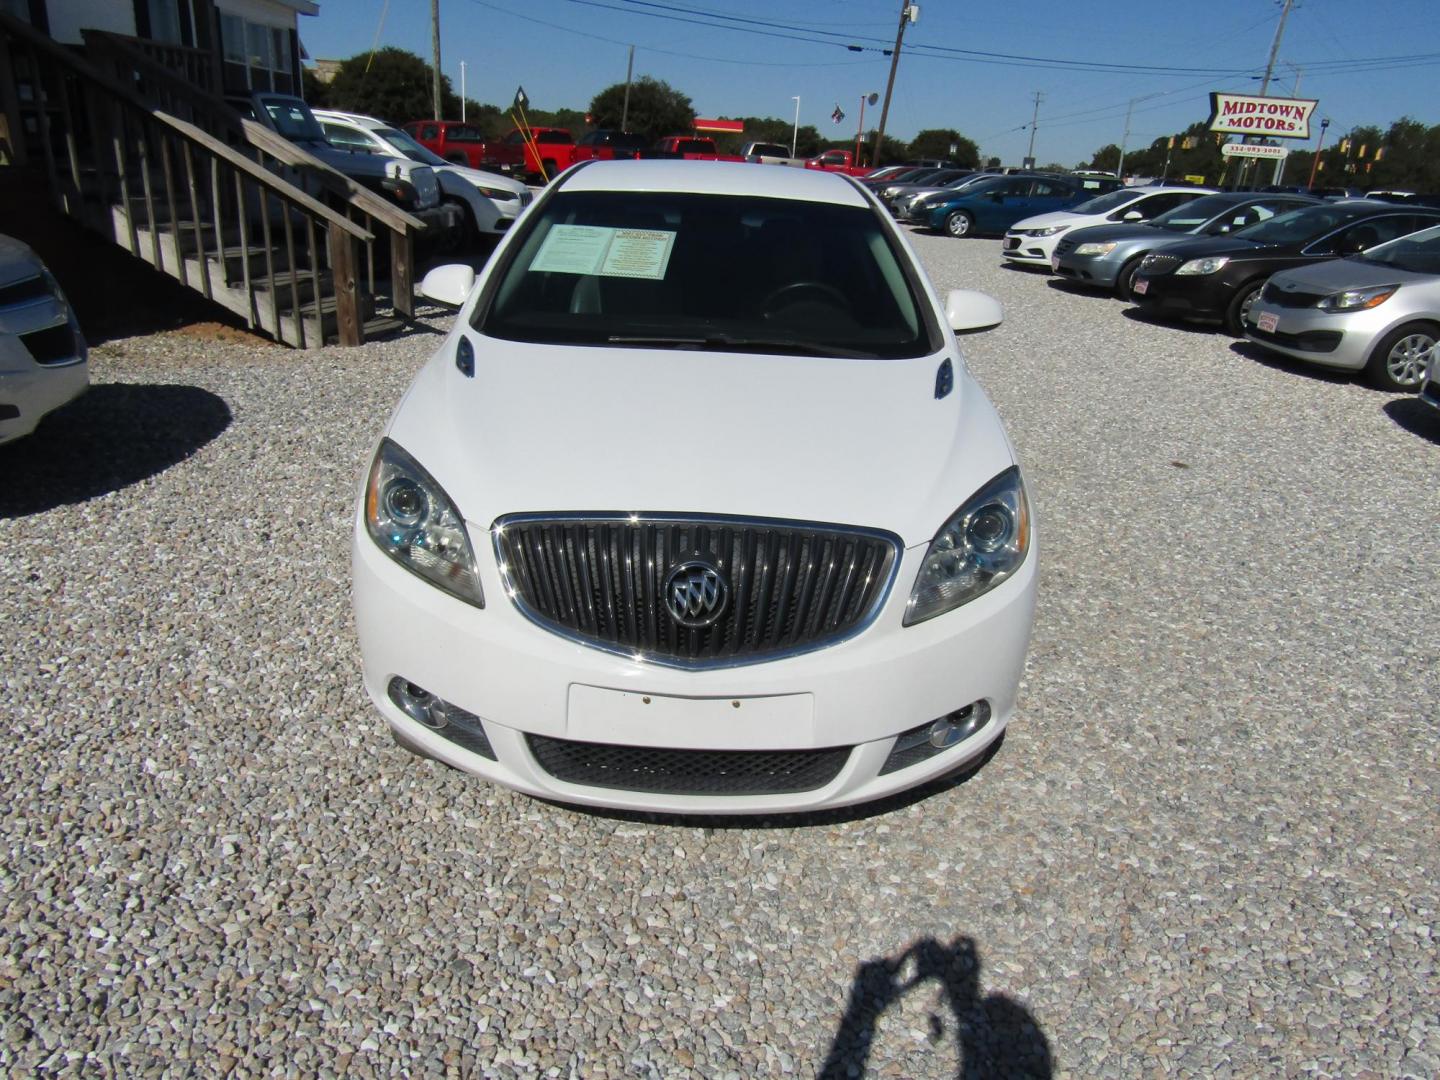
[
  {"x": 444, "y": 225},
  {"x": 1189, "y": 296},
  {"x": 1335, "y": 339},
  {"x": 521, "y": 680},
  {"x": 1099, "y": 271},
  {"x": 1033, "y": 250},
  {"x": 43, "y": 364}
]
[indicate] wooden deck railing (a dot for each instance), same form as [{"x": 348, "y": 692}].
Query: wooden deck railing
[{"x": 202, "y": 205}]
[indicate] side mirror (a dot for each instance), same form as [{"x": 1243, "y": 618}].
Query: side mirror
[
  {"x": 449, "y": 285},
  {"x": 970, "y": 312},
  {"x": 1133, "y": 215}
]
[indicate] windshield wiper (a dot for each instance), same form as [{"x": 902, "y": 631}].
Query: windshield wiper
[{"x": 742, "y": 344}]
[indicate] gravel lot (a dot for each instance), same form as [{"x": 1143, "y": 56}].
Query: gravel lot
[{"x": 1207, "y": 848}]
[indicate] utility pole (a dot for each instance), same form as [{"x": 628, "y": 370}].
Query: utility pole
[
  {"x": 462, "y": 91},
  {"x": 1269, "y": 70},
  {"x": 1030, "y": 155},
  {"x": 908, "y": 14},
  {"x": 625, "y": 109},
  {"x": 435, "y": 54},
  {"x": 1125, "y": 138}
]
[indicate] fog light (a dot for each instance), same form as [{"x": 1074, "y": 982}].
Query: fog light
[
  {"x": 924, "y": 742},
  {"x": 462, "y": 728}
]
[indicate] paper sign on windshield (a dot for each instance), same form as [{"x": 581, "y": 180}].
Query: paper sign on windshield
[{"x": 606, "y": 251}]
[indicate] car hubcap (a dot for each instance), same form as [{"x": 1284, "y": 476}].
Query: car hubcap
[
  {"x": 1409, "y": 358},
  {"x": 1247, "y": 304},
  {"x": 959, "y": 225}
]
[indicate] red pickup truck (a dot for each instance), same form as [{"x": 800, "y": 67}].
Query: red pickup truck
[
  {"x": 464, "y": 144},
  {"x": 691, "y": 148},
  {"x": 605, "y": 145},
  {"x": 842, "y": 161},
  {"x": 514, "y": 156}
]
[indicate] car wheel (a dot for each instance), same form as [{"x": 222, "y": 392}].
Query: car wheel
[
  {"x": 959, "y": 223},
  {"x": 1398, "y": 362},
  {"x": 1245, "y": 296},
  {"x": 1126, "y": 278}
]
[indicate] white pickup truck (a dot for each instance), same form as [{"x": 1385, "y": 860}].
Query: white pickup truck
[{"x": 767, "y": 153}]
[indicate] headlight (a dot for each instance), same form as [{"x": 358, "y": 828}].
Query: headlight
[
  {"x": 978, "y": 548},
  {"x": 1096, "y": 249},
  {"x": 1051, "y": 231},
  {"x": 502, "y": 194},
  {"x": 1203, "y": 266},
  {"x": 1357, "y": 299},
  {"x": 412, "y": 520}
]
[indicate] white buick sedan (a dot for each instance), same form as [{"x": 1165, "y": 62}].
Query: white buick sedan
[{"x": 697, "y": 508}]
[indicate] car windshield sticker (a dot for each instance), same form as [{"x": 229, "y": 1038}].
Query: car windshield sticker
[{"x": 609, "y": 252}]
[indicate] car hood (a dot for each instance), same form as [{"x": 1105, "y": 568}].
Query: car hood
[
  {"x": 477, "y": 176},
  {"x": 1199, "y": 247},
  {"x": 543, "y": 428},
  {"x": 1337, "y": 275},
  {"x": 1129, "y": 230},
  {"x": 17, "y": 261},
  {"x": 1054, "y": 217}
]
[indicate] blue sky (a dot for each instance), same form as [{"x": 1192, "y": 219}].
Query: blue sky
[{"x": 565, "y": 51}]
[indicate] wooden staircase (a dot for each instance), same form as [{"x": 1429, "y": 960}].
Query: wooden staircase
[{"x": 228, "y": 209}]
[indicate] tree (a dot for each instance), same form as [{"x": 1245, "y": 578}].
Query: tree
[
  {"x": 936, "y": 143},
  {"x": 313, "y": 90},
  {"x": 393, "y": 86},
  {"x": 656, "y": 108}
]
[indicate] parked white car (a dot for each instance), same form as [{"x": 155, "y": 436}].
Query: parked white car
[
  {"x": 697, "y": 508},
  {"x": 491, "y": 201},
  {"x": 1430, "y": 388},
  {"x": 1033, "y": 240},
  {"x": 43, "y": 355}
]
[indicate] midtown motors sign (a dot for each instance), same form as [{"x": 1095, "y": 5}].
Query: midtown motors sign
[{"x": 1280, "y": 118}]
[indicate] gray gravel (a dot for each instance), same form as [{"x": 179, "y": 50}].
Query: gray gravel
[{"x": 1207, "y": 848}]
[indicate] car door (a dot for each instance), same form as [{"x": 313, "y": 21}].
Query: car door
[
  {"x": 1046, "y": 195},
  {"x": 1007, "y": 203}
]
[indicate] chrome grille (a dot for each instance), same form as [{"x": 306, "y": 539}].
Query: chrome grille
[
  {"x": 1160, "y": 264},
  {"x": 791, "y": 586}
]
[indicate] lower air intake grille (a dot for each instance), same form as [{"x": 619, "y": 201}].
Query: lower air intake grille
[{"x": 687, "y": 772}]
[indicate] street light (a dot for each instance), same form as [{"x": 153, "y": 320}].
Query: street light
[
  {"x": 795, "y": 132},
  {"x": 871, "y": 97}
]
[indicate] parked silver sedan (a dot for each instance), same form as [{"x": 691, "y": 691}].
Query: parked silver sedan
[
  {"x": 1378, "y": 311},
  {"x": 1107, "y": 256}
]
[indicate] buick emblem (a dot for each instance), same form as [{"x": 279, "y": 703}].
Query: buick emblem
[{"x": 695, "y": 594}]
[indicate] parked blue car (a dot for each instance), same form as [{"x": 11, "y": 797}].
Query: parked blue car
[{"x": 992, "y": 206}]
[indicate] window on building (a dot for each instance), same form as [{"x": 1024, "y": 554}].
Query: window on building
[{"x": 257, "y": 57}]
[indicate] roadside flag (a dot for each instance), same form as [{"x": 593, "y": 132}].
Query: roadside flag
[
  {"x": 1172, "y": 143},
  {"x": 1364, "y": 147},
  {"x": 837, "y": 115},
  {"x": 520, "y": 99},
  {"x": 1379, "y": 153}
]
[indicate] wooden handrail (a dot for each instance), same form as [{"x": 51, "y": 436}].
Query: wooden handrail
[
  {"x": 285, "y": 151},
  {"x": 262, "y": 138}
]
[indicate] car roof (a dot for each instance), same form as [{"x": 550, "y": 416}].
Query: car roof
[
  {"x": 350, "y": 118},
  {"x": 715, "y": 178}
]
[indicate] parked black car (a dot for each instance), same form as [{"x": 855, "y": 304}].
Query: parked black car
[{"x": 1218, "y": 278}]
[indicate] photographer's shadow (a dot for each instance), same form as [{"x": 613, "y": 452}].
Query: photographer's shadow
[{"x": 992, "y": 1036}]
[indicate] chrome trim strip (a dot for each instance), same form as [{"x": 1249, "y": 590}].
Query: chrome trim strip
[{"x": 897, "y": 552}]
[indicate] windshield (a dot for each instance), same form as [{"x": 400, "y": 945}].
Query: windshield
[
  {"x": 293, "y": 119},
  {"x": 1103, "y": 204},
  {"x": 1301, "y": 226},
  {"x": 1189, "y": 216},
  {"x": 1418, "y": 253},
  {"x": 722, "y": 272},
  {"x": 407, "y": 146}
]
